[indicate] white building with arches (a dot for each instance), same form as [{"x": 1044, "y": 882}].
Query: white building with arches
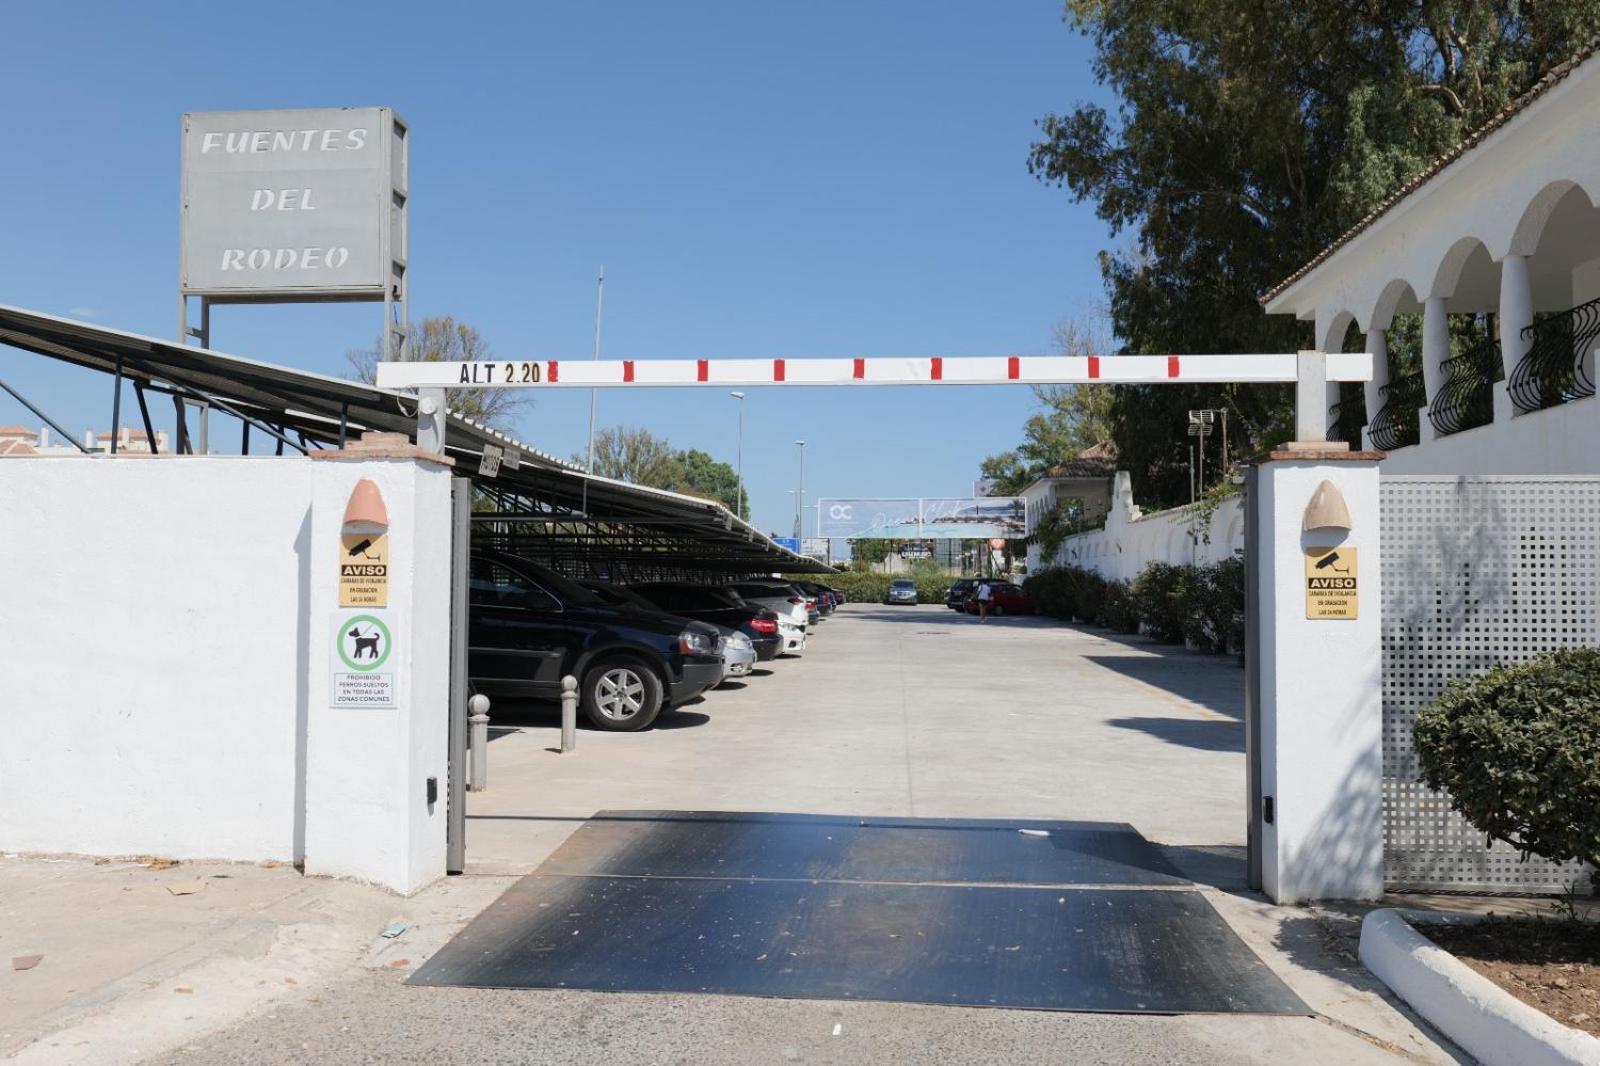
[
  {"x": 1506, "y": 228},
  {"x": 1503, "y": 226}
]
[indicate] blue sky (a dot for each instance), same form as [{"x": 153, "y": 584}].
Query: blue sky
[{"x": 826, "y": 179}]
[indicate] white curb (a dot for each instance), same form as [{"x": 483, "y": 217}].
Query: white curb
[{"x": 1483, "y": 1019}]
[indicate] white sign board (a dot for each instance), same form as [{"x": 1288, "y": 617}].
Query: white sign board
[
  {"x": 362, "y": 649},
  {"x": 293, "y": 204}
]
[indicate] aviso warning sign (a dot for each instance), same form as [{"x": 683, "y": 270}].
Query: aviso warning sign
[
  {"x": 364, "y": 570},
  {"x": 1332, "y": 583}
]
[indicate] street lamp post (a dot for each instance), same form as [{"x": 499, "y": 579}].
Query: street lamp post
[
  {"x": 738, "y": 457},
  {"x": 800, "y": 493}
]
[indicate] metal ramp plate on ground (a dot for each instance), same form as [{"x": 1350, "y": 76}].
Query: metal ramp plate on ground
[{"x": 906, "y": 910}]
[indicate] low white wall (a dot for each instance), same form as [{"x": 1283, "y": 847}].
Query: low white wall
[
  {"x": 153, "y": 646},
  {"x": 163, "y": 664},
  {"x": 1564, "y": 439},
  {"x": 1130, "y": 541}
]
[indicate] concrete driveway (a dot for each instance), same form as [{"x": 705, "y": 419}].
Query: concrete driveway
[
  {"x": 908, "y": 711},
  {"x": 892, "y": 712}
]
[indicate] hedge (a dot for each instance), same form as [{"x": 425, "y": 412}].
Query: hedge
[
  {"x": 1518, "y": 751},
  {"x": 1202, "y": 606},
  {"x": 864, "y": 587}
]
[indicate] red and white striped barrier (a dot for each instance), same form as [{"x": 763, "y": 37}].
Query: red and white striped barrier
[{"x": 868, "y": 370}]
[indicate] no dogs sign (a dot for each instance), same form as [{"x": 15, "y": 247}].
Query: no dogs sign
[
  {"x": 362, "y": 645},
  {"x": 1332, "y": 583}
]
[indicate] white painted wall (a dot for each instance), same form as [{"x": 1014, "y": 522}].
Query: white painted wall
[
  {"x": 1130, "y": 541},
  {"x": 163, "y": 683},
  {"x": 1559, "y": 440}
]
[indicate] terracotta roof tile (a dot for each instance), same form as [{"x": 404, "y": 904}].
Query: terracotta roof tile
[{"x": 1551, "y": 79}]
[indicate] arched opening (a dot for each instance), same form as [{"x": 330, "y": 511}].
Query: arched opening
[
  {"x": 1560, "y": 235},
  {"x": 1347, "y": 414},
  {"x": 1398, "y": 316},
  {"x": 1469, "y": 362}
]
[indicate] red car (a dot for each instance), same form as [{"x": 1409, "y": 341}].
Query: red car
[{"x": 1004, "y": 598}]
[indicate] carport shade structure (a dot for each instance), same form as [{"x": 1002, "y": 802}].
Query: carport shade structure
[{"x": 555, "y": 512}]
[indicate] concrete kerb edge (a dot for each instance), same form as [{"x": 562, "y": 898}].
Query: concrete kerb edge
[{"x": 1486, "y": 1021}]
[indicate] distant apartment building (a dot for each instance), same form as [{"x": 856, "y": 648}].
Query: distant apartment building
[{"x": 21, "y": 440}]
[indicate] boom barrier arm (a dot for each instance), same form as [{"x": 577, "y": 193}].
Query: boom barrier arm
[
  {"x": 871, "y": 370},
  {"x": 1312, "y": 372}
]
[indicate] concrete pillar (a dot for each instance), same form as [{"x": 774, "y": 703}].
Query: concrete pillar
[
  {"x": 1320, "y": 737},
  {"x": 1435, "y": 344},
  {"x": 1516, "y": 310},
  {"x": 1378, "y": 345},
  {"x": 376, "y": 760}
]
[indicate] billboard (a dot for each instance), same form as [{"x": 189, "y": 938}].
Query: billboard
[
  {"x": 296, "y": 204},
  {"x": 923, "y": 518}
]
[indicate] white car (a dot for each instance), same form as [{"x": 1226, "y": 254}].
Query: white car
[
  {"x": 794, "y": 637},
  {"x": 738, "y": 654},
  {"x": 777, "y": 596}
]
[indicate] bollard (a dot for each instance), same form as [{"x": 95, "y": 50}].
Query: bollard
[
  {"x": 569, "y": 714},
  {"x": 478, "y": 732}
]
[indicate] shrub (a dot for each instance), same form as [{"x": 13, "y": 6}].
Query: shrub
[
  {"x": 1215, "y": 613},
  {"x": 1088, "y": 594},
  {"x": 863, "y": 587},
  {"x": 1051, "y": 589},
  {"x": 1118, "y": 611},
  {"x": 1518, "y": 751},
  {"x": 1163, "y": 595}
]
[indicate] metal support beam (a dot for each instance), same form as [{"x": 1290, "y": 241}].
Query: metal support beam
[
  {"x": 144, "y": 416},
  {"x": 46, "y": 419},
  {"x": 116, "y": 406}
]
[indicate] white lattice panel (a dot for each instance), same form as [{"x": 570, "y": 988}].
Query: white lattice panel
[{"x": 1477, "y": 571}]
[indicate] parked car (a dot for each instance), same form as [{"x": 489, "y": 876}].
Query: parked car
[
  {"x": 1004, "y": 598},
  {"x": 786, "y": 601},
  {"x": 738, "y": 655},
  {"x": 901, "y": 590},
  {"x": 839, "y": 597},
  {"x": 955, "y": 597},
  {"x": 819, "y": 594},
  {"x": 715, "y": 605},
  {"x": 529, "y": 627}
]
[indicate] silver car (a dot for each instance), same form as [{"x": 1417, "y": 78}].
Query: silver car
[
  {"x": 901, "y": 591},
  {"x": 738, "y": 654}
]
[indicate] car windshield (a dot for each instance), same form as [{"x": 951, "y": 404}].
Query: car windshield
[{"x": 903, "y": 584}]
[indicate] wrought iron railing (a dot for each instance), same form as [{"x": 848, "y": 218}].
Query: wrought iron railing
[
  {"x": 1466, "y": 397},
  {"x": 1345, "y": 420},
  {"x": 1556, "y": 368},
  {"x": 1395, "y": 424}
]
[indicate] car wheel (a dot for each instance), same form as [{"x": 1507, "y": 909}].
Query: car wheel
[
  {"x": 997, "y": 609},
  {"x": 622, "y": 695}
]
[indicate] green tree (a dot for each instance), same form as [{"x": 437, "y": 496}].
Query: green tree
[
  {"x": 1247, "y": 137},
  {"x": 633, "y": 453},
  {"x": 701, "y": 475},
  {"x": 443, "y": 339}
]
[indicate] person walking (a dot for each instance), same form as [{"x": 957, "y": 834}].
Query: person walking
[{"x": 985, "y": 594}]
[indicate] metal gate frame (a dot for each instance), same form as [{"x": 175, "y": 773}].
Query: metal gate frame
[
  {"x": 455, "y": 834},
  {"x": 1252, "y": 677}
]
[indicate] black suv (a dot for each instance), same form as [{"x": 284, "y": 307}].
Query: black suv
[
  {"x": 715, "y": 606},
  {"x": 529, "y": 627}
]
